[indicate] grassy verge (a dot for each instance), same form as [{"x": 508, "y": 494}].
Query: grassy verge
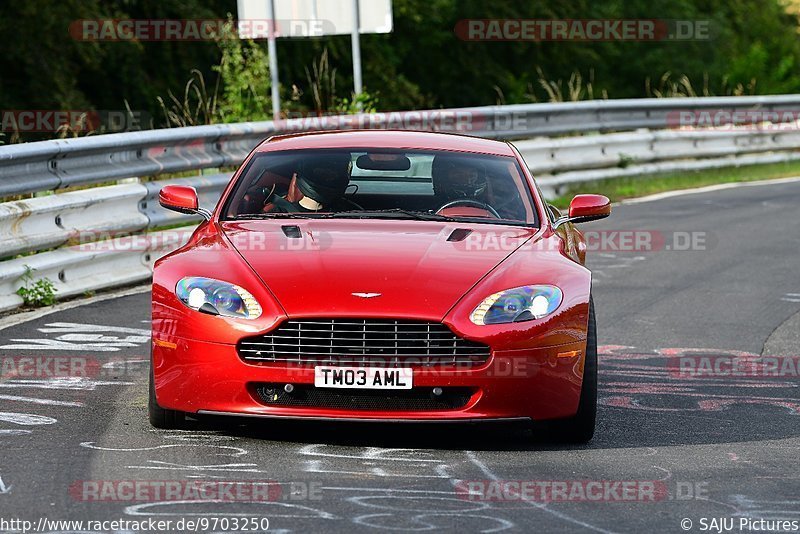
[{"x": 638, "y": 186}]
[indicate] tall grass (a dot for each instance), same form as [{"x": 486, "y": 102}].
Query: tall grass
[{"x": 578, "y": 88}]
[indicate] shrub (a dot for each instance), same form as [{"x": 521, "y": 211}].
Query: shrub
[{"x": 36, "y": 293}]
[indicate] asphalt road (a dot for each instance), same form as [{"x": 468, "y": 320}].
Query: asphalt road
[{"x": 713, "y": 446}]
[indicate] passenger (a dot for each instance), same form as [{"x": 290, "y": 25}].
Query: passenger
[{"x": 318, "y": 184}]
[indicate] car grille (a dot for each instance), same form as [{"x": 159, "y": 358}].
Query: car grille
[
  {"x": 417, "y": 399},
  {"x": 394, "y": 342}
]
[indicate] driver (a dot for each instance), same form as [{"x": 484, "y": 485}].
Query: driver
[
  {"x": 458, "y": 178},
  {"x": 462, "y": 178},
  {"x": 319, "y": 183}
]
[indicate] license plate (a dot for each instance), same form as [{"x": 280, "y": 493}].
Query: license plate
[{"x": 363, "y": 377}]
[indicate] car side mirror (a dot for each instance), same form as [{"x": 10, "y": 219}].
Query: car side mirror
[
  {"x": 183, "y": 199},
  {"x": 584, "y": 208}
]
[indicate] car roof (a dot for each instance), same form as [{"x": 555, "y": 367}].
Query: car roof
[{"x": 404, "y": 139}]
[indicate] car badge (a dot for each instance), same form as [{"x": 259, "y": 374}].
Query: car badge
[{"x": 366, "y": 295}]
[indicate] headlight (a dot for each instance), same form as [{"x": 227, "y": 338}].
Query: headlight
[
  {"x": 517, "y": 304},
  {"x": 227, "y": 299}
]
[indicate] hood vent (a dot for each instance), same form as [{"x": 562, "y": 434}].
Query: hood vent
[
  {"x": 459, "y": 234},
  {"x": 291, "y": 231}
]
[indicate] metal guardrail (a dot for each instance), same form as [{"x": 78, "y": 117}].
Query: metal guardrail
[
  {"x": 100, "y": 213},
  {"x": 48, "y": 222},
  {"x": 79, "y": 269},
  {"x": 620, "y": 114},
  {"x": 558, "y": 163},
  {"x": 50, "y": 165}
]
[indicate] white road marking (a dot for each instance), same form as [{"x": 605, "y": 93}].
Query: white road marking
[
  {"x": 400, "y": 509},
  {"x": 316, "y": 466},
  {"x": 365, "y": 462},
  {"x": 125, "y": 364},
  {"x": 406, "y": 503},
  {"x": 388, "y": 490},
  {"x": 3, "y": 488},
  {"x": 237, "y": 451},
  {"x": 127, "y": 341},
  {"x": 192, "y": 435},
  {"x": 370, "y": 453},
  {"x": 78, "y": 327},
  {"x": 40, "y": 401},
  {"x": 82, "y": 337},
  {"x": 368, "y": 521},
  {"x": 77, "y": 383},
  {"x": 708, "y": 189},
  {"x": 170, "y": 466},
  {"x": 764, "y": 508},
  {"x": 54, "y": 344},
  {"x": 541, "y": 506},
  {"x": 24, "y": 317},
  {"x": 26, "y": 419},
  {"x": 302, "y": 511}
]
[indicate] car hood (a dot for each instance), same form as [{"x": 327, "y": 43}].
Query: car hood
[{"x": 416, "y": 269}]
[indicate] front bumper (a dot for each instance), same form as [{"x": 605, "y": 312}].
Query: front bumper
[{"x": 536, "y": 383}]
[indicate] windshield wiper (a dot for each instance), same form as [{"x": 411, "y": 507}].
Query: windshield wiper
[
  {"x": 367, "y": 214},
  {"x": 276, "y": 215}
]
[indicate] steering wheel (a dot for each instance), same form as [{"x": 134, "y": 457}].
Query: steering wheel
[{"x": 471, "y": 204}]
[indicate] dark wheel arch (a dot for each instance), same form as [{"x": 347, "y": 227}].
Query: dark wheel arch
[
  {"x": 580, "y": 427},
  {"x": 162, "y": 417}
]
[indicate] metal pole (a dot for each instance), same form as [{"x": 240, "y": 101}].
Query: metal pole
[
  {"x": 273, "y": 61},
  {"x": 354, "y": 37}
]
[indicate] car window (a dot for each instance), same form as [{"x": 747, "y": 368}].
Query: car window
[{"x": 372, "y": 183}]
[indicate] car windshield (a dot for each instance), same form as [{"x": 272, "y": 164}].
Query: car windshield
[{"x": 382, "y": 183}]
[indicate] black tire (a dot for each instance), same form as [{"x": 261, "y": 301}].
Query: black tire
[
  {"x": 580, "y": 427},
  {"x": 161, "y": 417}
]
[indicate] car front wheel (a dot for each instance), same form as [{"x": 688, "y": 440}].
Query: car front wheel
[
  {"x": 580, "y": 427},
  {"x": 161, "y": 417}
]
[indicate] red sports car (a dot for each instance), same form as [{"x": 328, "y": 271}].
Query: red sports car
[{"x": 378, "y": 275}]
